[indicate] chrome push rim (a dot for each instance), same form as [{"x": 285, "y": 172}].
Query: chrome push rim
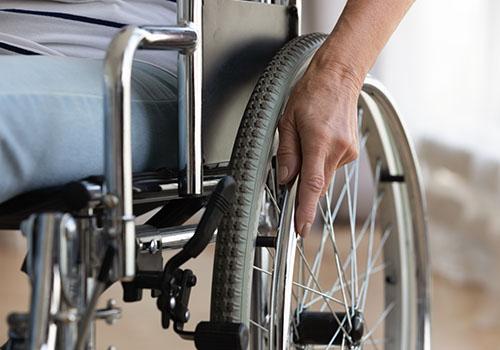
[{"x": 384, "y": 253}]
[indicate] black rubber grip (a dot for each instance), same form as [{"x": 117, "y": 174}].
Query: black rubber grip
[
  {"x": 221, "y": 336},
  {"x": 218, "y": 205}
]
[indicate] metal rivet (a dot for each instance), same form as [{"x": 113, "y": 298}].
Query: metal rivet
[{"x": 153, "y": 246}]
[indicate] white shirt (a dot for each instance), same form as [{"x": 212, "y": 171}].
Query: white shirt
[{"x": 79, "y": 28}]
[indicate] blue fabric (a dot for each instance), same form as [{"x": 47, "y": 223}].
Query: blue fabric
[{"x": 51, "y": 121}]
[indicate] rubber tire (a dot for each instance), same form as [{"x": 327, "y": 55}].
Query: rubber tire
[{"x": 234, "y": 255}]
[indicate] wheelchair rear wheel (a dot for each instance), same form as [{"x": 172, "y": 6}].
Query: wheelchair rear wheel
[{"x": 357, "y": 283}]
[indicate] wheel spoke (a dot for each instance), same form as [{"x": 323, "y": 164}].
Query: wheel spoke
[
  {"x": 375, "y": 258},
  {"x": 373, "y": 342},
  {"x": 361, "y": 277},
  {"x": 363, "y": 232},
  {"x": 262, "y": 328},
  {"x": 379, "y": 321},
  {"x": 372, "y": 225},
  {"x": 322, "y": 295},
  {"x": 319, "y": 254},
  {"x": 273, "y": 200},
  {"x": 352, "y": 222},
  {"x": 352, "y": 204},
  {"x": 338, "y": 264},
  {"x": 333, "y": 216},
  {"x": 326, "y": 300},
  {"x": 271, "y": 253},
  {"x": 274, "y": 181},
  {"x": 335, "y": 335},
  {"x": 262, "y": 270}
]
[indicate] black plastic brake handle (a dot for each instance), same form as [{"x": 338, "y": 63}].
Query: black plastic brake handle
[{"x": 218, "y": 205}]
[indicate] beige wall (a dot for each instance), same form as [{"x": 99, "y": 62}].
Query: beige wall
[{"x": 321, "y": 15}]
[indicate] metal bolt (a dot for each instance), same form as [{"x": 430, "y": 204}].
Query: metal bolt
[
  {"x": 111, "y": 306},
  {"x": 187, "y": 315},
  {"x": 172, "y": 303},
  {"x": 153, "y": 246},
  {"x": 69, "y": 316}
]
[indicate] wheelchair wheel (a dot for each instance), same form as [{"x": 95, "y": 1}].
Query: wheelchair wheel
[{"x": 358, "y": 281}]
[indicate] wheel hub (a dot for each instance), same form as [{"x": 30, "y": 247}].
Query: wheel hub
[{"x": 323, "y": 328}]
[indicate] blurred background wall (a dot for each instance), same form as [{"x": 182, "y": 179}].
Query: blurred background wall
[{"x": 442, "y": 66}]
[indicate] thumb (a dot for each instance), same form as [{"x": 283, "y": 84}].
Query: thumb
[{"x": 289, "y": 157}]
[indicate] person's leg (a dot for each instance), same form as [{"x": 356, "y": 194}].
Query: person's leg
[{"x": 51, "y": 121}]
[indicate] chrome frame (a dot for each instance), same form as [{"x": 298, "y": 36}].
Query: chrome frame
[
  {"x": 186, "y": 38},
  {"x": 41, "y": 234},
  {"x": 168, "y": 239}
]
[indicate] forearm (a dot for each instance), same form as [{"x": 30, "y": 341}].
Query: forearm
[{"x": 360, "y": 34}]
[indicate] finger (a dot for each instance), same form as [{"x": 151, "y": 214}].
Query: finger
[
  {"x": 330, "y": 168},
  {"x": 289, "y": 157},
  {"x": 349, "y": 156},
  {"x": 312, "y": 180},
  {"x": 337, "y": 159}
]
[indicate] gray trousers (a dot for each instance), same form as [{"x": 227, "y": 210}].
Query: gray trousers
[{"x": 52, "y": 127}]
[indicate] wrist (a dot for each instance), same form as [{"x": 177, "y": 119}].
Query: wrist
[{"x": 340, "y": 73}]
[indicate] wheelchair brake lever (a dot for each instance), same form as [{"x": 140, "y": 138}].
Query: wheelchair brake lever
[
  {"x": 218, "y": 205},
  {"x": 176, "y": 283}
]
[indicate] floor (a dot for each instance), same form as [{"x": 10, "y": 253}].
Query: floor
[{"x": 463, "y": 316}]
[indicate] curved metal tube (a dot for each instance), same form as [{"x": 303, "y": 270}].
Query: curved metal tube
[
  {"x": 119, "y": 220},
  {"x": 41, "y": 259},
  {"x": 118, "y": 155}
]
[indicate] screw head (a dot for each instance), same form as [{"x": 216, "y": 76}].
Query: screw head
[
  {"x": 153, "y": 246},
  {"x": 173, "y": 303}
]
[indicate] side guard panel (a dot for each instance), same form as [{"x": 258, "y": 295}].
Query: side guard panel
[{"x": 240, "y": 38}]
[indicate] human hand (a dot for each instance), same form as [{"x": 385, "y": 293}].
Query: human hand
[{"x": 318, "y": 134}]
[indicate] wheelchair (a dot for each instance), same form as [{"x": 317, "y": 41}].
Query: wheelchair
[{"x": 360, "y": 285}]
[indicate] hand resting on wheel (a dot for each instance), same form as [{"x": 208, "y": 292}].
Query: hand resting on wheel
[{"x": 318, "y": 130}]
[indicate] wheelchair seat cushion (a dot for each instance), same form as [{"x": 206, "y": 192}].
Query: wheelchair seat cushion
[{"x": 52, "y": 123}]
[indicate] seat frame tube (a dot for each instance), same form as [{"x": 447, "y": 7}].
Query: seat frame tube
[{"x": 186, "y": 38}]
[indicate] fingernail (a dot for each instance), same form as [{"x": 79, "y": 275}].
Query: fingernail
[
  {"x": 282, "y": 174},
  {"x": 306, "y": 229}
]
